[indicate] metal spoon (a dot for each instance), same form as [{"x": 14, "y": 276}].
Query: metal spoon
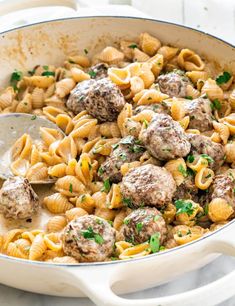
[{"x": 12, "y": 127}]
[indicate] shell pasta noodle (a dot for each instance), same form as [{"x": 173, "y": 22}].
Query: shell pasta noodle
[{"x": 140, "y": 158}]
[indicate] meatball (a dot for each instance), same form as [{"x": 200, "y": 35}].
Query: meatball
[
  {"x": 101, "y": 98},
  {"x": 127, "y": 150},
  {"x": 201, "y": 144},
  {"x": 164, "y": 138},
  {"x": 187, "y": 190},
  {"x": 200, "y": 114},
  {"x": 76, "y": 100},
  {"x": 18, "y": 199},
  {"x": 88, "y": 239},
  {"x": 148, "y": 185},
  {"x": 141, "y": 224},
  {"x": 223, "y": 187},
  {"x": 174, "y": 84},
  {"x": 99, "y": 71}
]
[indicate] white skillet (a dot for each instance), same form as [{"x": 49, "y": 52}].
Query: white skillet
[{"x": 50, "y": 43}]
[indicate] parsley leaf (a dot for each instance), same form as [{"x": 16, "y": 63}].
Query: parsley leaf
[
  {"x": 139, "y": 226},
  {"x": 190, "y": 158},
  {"x": 208, "y": 158},
  {"x": 155, "y": 242},
  {"x": 182, "y": 170},
  {"x": 146, "y": 124},
  {"x": 133, "y": 46},
  {"x": 100, "y": 171},
  {"x": 71, "y": 187},
  {"x": 106, "y": 186},
  {"x": 90, "y": 234},
  {"x": 183, "y": 206},
  {"x": 223, "y": 78},
  {"x": 33, "y": 117},
  {"x": 126, "y": 221},
  {"x": 123, "y": 156},
  {"x": 156, "y": 218},
  {"x": 216, "y": 105},
  {"x": 48, "y": 73},
  {"x": 206, "y": 209},
  {"x": 115, "y": 146},
  {"x": 189, "y": 97},
  {"x": 15, "y": 78},
  {"x": 92, "y": 74},
  {"x": 127, "y": 202},
  {"x": 98, "y": 239}
]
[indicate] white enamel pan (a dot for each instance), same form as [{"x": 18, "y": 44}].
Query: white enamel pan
[{"x": 49, "y": 43}]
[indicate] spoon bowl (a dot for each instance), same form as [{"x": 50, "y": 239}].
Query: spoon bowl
[{"x": 13, "y": 126}]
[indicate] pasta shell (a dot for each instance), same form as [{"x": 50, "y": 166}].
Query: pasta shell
[
  {"x": 139, "y": 56},
  {"x": 57, "y": 203},
  {"x": 80, "y": 60},
  {"x": 86, "y": 202},
  {"x": 64, "y": 87},
  {"x": 67, "y": 149},
  {"x": 70, "y": 186},
  {"x": 74, "y": 213},
  {"x": 38, "y": 248},
  {"x": 50, "y": 135},
  {"x": 57, "y": 170},
  {"x": 119, "y": 76},
  {"x": 20, "y": 167},
  {"x": 39, "y": 81},
  {"x": 7, "y": 97},
  {"x": 149, "y": 44},
  {"x": 189, "y": 60},
  {"x": 25, "y": 106},
  {"x": 37, "y": 172},
  {"x": 52, "y": 112},
  {"x": 56, "y": 224},
  {"x": 22, "y": 147},
  {"x": 79, "y": 75},
  {"x": 38, "y": 97},
  {"x": 212, "y": 90},
  {"x": 110, "y": 55},
  {"x": 167, "y": 52}
]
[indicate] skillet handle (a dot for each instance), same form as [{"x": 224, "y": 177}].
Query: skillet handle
[
  {"x": 96, "y": 283},
  {"x": 10, "y": 6}
]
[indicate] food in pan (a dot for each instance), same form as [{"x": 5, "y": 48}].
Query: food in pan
[{"x": 145, "y": 161}]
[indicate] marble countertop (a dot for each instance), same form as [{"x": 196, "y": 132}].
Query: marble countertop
[{"x": 221, "y": 266}]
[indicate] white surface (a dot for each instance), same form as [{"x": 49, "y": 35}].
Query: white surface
[{"x": 13, "y": 297}]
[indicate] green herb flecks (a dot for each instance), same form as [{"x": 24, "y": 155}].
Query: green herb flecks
[
  {"x": 189, "y": 97},
  {"x": 123, "y": 156},
  {"x": 223, "y": 78},
  {"x": 182, "y": 170},
  {"x": 34, "y": 117},
  {"x": 91, "y": 235},
  {"x": 216, "y": 105},
  {"x": 190, "y": 158},
  {"x": 48, "y": 73},
  {"x": 92, "y": 74},
  {"x": 15, "y": 78},
  {"x": 115, "y": 146},
  {"x": 106, "y": 186},
  {"x": 126, "y": 221},
  {"x": 133, "y": 46},
  {"x": 155, "y": 242},
  {"x": 127, "y": 202},
  {"x": 183, "y": 206},
  {"x": 208, "y": 158},
  {"x": 156, "y": 218},
  {"x": 71, "y": 188},
  {"x": 100, "y": 171},
  {"x": 139, "y": 227}
]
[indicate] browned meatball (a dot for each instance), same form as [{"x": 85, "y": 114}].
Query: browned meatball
[
  {"x": 148, "y": 185},
  {"x": 99, "y": 71},
  {"x": 88, "y": 239},
  {"x": 164, "y": 138},
  {"x": 18, "y": 199},
  {"x": 199, "y": 111},
  {"x": 201, "y": 144},
  {"x": 127, "y": 150},
  {"x": 141, "y": 224},
  {"x": 224, "y": 187},
  {"x": 101, "y": 98},
  {"x": 174, "y": 84},
  {"x": 187, "y": 190}
]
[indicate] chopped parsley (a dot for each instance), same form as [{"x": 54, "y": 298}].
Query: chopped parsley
[
  {"x": 127, "y": 202},
  {"x": 208, "y": 158},
  {"x": 208, "y": 175},
  {"x": 92, "y": 74},
  {"x": 146, "y": 124},
  {"x": 190, "y": 158},
  {"x": 133, "y": 46},
  {"x": 206, "y": 209},
  {"x": 114, "y": 258},
  {"x": 15, "y": 78},
  {"x": 33, "y": 117},
  {"x": 85, "y": 51},
  {"x": 182, "y": 170},
  {"x": 83, "y": 198},
  {"x": 231, "y": 176},
  {"x": 91, "y": 235},
  {"x": 48, "y": 73},
  {"x": 31, "y": 72},
  {"x": 139, "y": 226},
  {"x": 70, "y": 187},
  {"x": 234, "y": 190},
  {"x": 183, "y": 206},
  {"x": 189, "y": 97},
  {"x": 126, "y": 221},
  {"x": 115, "y": 146},
  {"x": 100, "y": 171},
  {"x": 106, "y": 186},
  {"x": 223, "y": 78},
  {"x": 216, "y": 105},
  {"x": 155, "y": 242},
  {"x": 179, "y": 233},
  {"x": 123, "y": 156}
]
